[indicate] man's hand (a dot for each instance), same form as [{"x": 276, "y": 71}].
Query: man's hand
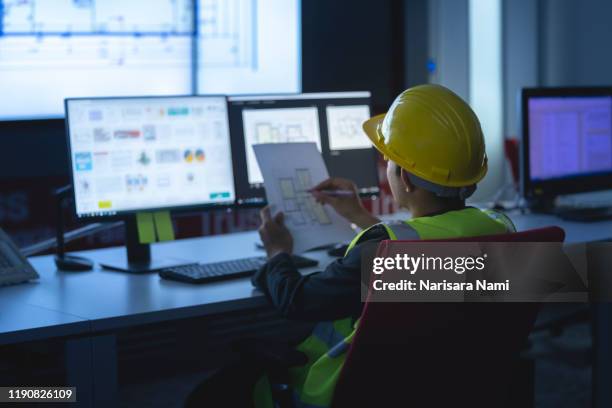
[
  {"x": 275, "y": 237},
  {"x": 346, "y": 201}
]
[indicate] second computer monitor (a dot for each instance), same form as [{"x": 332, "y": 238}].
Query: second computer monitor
[{"x": 331, "y": 120}]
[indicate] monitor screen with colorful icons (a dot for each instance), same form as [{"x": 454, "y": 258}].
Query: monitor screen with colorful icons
[{"x": 145, "y": 153}]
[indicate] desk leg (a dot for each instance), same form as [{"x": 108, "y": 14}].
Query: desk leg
[
  {"x": 91, "y": 365},
  {"x": 602, "y": 355}
]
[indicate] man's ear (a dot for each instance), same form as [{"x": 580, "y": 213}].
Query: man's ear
[{"x": 406, "y": 180}]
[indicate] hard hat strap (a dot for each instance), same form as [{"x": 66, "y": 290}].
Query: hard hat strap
[{"x": 442, "y": 191}]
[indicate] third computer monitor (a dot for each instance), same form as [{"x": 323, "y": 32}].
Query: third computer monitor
[
  {"x": 567, "y": 140},
  {"x": 331, "y": 120}
]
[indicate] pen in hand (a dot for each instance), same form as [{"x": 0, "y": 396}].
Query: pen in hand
[{"x": 335, "y": 193}]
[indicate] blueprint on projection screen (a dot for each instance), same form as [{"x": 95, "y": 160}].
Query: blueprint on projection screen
[{"x": 289, "y": 171}]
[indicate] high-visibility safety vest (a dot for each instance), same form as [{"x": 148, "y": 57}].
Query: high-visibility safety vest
[{"x": 326, "y": 347}]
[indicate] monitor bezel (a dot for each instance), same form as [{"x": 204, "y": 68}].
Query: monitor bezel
[
  {"x": 128, "y": 213},
  {"x": 547, "y": 189},
  {"x": 244, "y": 99}
]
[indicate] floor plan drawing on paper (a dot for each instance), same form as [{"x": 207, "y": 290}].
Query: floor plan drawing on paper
[
  {"x": 299, "y": 205},
  {"x": 290, "y": 171}
]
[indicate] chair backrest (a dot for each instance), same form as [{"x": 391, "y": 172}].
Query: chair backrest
[
  {"x": 511, "y": 148},
  {"x": 438, "y": 354}
]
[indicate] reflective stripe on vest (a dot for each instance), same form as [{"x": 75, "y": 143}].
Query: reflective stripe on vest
[
  {"x": 501, "y": 217},
  {"x": 338, "y": 349},
  {"x": 401, "y": 231},
  {"x": 395, "y": 230},
  {"x": 327, "y": 333}
]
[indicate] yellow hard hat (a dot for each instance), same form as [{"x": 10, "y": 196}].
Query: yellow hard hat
[{"x": 432, "y": 133}]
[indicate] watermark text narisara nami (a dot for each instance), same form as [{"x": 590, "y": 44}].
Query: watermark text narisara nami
[{"x": 428, "y": 285}]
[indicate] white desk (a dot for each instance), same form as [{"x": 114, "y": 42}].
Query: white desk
[
  {"x": 20, "y": 323},
  {"x": 574, "y": 231},
  {"x": 112, "y": 300}
]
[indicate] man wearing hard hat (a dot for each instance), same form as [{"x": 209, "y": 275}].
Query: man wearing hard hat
[{"x": 436, "y": 155}]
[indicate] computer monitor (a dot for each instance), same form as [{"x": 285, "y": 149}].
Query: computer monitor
[
  {"x": 567, "y": 141},
  {"x": 144, "y": 154},
  {"x": 331, "y": 120}
]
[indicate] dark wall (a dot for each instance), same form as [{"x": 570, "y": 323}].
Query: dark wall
[
  {"x": 32, "y": 149},
  {"x": 354, "y": 45},
  {"x": 575, "y": 42},
  {"x": 347, "y": 45}
]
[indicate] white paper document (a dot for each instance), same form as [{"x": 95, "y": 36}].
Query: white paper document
[{"x": 290, "y": 170}]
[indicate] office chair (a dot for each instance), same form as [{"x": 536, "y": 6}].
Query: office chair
[{"x": 442, "y": 354}]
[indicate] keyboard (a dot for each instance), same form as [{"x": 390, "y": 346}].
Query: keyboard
[
  {"x": 217, "y": 271},
  {"x": 584, "y": 214}
]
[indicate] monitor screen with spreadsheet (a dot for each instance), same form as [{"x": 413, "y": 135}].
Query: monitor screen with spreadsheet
[
  {"x": 133, "y": 154},
  {"x": 567, "y": 137}
]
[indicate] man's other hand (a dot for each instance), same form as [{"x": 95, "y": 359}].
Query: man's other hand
[{"x": 275, "y": 237}]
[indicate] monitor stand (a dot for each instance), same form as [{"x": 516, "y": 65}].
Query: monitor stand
[{"x": 138, "y": 256}]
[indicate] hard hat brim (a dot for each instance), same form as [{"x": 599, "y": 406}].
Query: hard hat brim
[{"x": 371, "y": 128}]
